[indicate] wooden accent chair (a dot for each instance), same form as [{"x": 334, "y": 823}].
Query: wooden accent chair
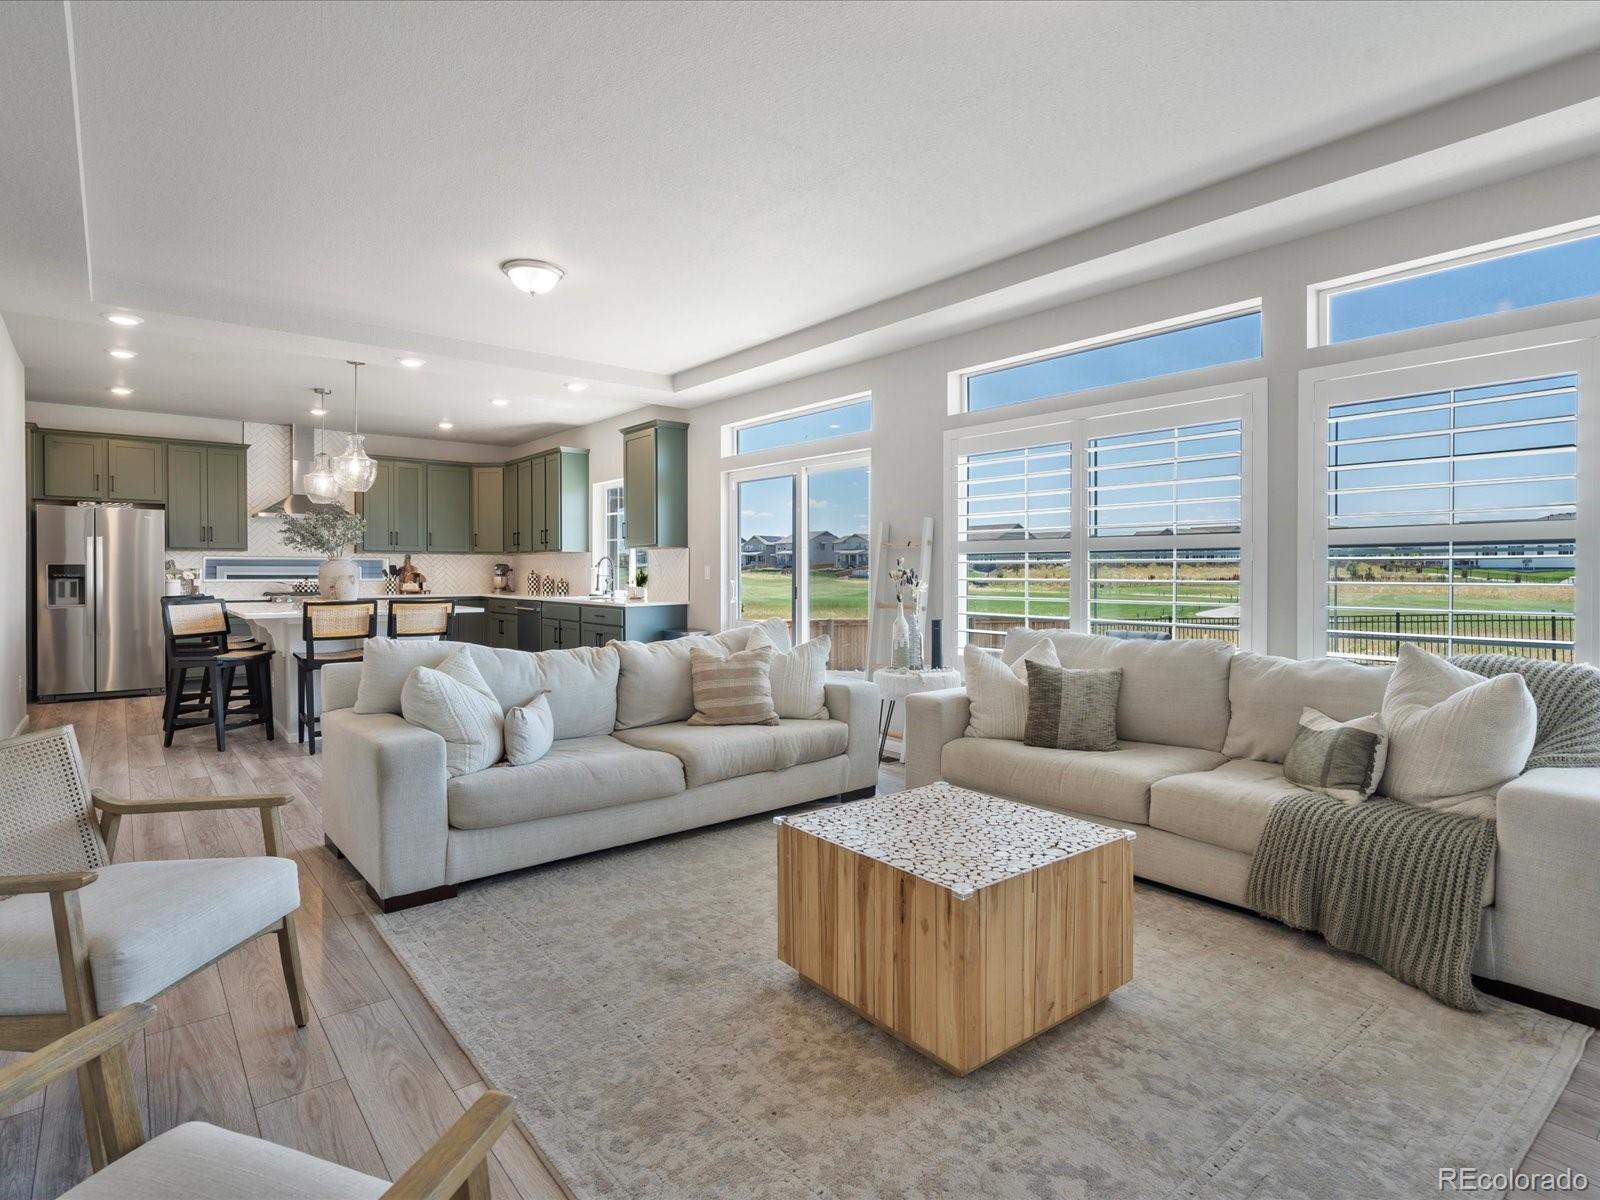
[
  {"x": 80, "y": 934},
  {"x": 199, "y": 642},
  {"x": 327, "y": 621},
  {"x": 196, "y": 1160},
  {"x": 421, "y": 618}
]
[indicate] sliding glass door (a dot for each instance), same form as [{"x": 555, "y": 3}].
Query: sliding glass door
[{"x": 766, "y": 580}]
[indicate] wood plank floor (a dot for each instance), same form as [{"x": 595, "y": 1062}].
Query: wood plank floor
[{"x": 376, "y": 1075}]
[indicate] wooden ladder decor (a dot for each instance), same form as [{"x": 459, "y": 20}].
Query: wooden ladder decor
[{"x": 880, "y": 621}]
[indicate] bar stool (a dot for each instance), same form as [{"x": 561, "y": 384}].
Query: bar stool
[
  {"x": 327, "y": 621},
  {"x": 421, "y": 618},
  {"x": 198, "y": 640}
]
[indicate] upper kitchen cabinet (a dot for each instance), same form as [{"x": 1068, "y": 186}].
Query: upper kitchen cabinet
[
  {"x": 449, "y": 492},
  {"x": 655, "y": 484},
  {"x": 135, "y": 470},
  {"x": 547, "y": 502},
  {"x": 67, "y": 465},
  {"x": 489, "y": 510},
  {"x": 396, "y": 507},
  {"x": 206, "y": 508},
  {"x": 73, "y": 466}
]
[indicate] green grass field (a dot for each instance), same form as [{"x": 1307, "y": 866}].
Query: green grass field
[{"x": 764, "y": 594}]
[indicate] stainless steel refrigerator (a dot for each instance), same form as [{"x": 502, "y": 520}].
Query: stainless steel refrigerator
[{"x": 98, "y": 580}]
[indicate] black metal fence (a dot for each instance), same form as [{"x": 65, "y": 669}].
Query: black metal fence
[{"x": 1378, "y": 635}]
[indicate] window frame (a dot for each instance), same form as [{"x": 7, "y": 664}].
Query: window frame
[
  {"x": 1320, "y": 295},
  {"x": 1244, "y": 401},
  {"x": 793, "y": 450},
  {"x": 1560, "y": 350},
  {"x": 958, "y": 405}
]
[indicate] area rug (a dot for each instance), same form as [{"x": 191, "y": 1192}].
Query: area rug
[{"x": 633, "y": 1003}]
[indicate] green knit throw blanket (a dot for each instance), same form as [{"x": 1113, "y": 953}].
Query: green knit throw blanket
[{"x": 1395, "y": 883}]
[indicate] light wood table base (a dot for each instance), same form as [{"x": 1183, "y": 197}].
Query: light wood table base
[{"x": 961, "y": 980}]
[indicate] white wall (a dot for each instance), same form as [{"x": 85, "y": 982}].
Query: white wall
[
  {"x": 910, "y": 387},
  {"x": 13, "y": 541}
]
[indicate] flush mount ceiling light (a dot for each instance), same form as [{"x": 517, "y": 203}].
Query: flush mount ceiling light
[
  {"x": 499, "y": 402},
  {"x": 126, "y": 319},
  {"x": 122, "y": 391},
  {"x": 353, "y": 470},
  {"x": 532, "y": 275},
  {"x": 119, "y": 352},
  {"x": 447, "y": 423},
  {"x": 576, "y": 386},
  {"x": 319, "y": 482},
  {"x": 412, "y": 363}
]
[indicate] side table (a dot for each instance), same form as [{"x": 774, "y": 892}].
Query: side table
[{"x": 894, "y": 685}]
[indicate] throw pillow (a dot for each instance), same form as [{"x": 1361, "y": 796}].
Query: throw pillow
[
  {"x": 1071, "y": 709},
  {"x": 530, "y": 730},
  {"x": 653, "y": 685},
  {"x": 732, "y": 689},
  {"x": 454, "y": 701},
  {"x": 387, "y": 663},
  {"x": 798, "y": 675},
  {"x": 1452, "y": 733},
  {"x": 997, "y": 694},
  {"x": 1567, "y": 699},
  {"x": 1342, "y": 759}
]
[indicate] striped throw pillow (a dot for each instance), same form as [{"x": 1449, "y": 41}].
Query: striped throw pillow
[
  {"x": 732, "y": 689},
  {"x": 1342, "y": 759}
]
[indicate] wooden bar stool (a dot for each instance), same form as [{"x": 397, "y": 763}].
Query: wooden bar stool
[
  {"x": 421, "y": 618},
  {"x": 199, "y": 644},
  {"x": 327, "y": 621}
]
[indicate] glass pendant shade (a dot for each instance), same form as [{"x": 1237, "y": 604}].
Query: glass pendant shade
[
  {"x": 319, "y": 482},
  {"x": 353, "y": 471}
]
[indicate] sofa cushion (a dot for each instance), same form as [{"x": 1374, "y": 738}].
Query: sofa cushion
[
  {"x": 583, "y": 688},
  {"x": 575, "y": 775},
  {"x": 1113, "y": 783},
  {"x": 387, "y": 663},
  {"x": 713, "y": 752},
  {"x": 453, "y": 701},
  {"x": 1224, "y": 807},
  {"x": 1266, "y": 695},
  {"x": 653, "y": 681},
  {"x": 997, "y": 692},
  {"x": 1173, "y": 693}
]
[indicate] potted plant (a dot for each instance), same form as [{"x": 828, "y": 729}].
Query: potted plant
[
  {"x": 330, "y": 534},
  {"x": 641, "y": 585}
]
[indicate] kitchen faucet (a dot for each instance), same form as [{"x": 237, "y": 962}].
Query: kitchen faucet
[{"x": 605, "y": 576}]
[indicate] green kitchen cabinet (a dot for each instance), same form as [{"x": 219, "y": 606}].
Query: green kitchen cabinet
[
  {"x": 448, "y": 490},
  {"x": 136, "y": 470},
  {"x": 655, "y": 484},
  {"x": 521, "y": 534},
  {"x": 74, "y": 467},
  {"x": 408, "y": 505},
  {"x": 206, "y": 508},
  {"x": 373, "y": 505},
  {"x": 559, "y": 516},
  {"x": 489, "y": 510},
  {"x": 533, "y": 496}
]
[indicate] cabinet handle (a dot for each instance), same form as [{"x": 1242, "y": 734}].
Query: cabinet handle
[
  {"x": 97, "y": 481},
  {"x": 430, "y": 537},
  {"x": 111, "y": 483},
  {"x": 474, "y": 541}
]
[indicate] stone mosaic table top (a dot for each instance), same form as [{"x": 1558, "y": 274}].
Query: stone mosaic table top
[{"x": 958, "y": 839}]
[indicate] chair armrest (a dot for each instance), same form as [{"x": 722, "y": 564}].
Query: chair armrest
[
  {"x": 855, "y": 701},
  {"x": 60, "y": 881},
  {"x": 340, "y": 681},
  {"x": 463, "y": 1150},
  {"x": 178, "y": 804},
  {"x": 43, "y": 1067},
  {"x": 933, "y": 720}
]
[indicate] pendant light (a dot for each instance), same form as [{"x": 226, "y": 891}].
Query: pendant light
[
  {"x": 319, "y": 482},
  {"x": 353, "y": 470}
]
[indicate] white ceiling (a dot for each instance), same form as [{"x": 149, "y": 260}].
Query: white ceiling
[{"x": 281, "y": 186}]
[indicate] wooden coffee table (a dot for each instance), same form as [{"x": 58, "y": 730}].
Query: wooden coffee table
[{"x": 961, "y": 923}]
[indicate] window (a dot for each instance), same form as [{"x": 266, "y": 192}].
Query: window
[
  {"x": 1188, "y": 344},
  {"x": 1444, "y": 506},
  {"x": 1163, "y": 546},
  {"x": 1539, "y": 268},
  {"x": 611, "y": 533},
  {"x": 838, "y": 419}
]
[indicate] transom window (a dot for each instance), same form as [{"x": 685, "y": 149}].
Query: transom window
[{"x": 837, "y": 419}]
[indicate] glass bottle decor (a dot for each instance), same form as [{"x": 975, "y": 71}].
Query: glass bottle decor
[{"x": 900, "y": 651}]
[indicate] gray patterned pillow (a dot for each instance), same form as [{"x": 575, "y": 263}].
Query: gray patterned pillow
[
  {"x": 1342, "y": 759},
  {"x": 1566, "y": 697},
  {"x": 1071, "y": 709}
]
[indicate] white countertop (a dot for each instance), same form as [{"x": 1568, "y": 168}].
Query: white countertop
[
  {"x": 262, "y": 610},
  {"x": 572, "y": 599}
]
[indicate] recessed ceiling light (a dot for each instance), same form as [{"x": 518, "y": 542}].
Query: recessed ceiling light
[
  {"x": 412, "y": 363},
  {"x": 576, "y": 386},
  {"x": 447, "y": 424},
  {"x": 122, "y": 391},
  {"x": 125, "y": 319},
  {"x": 532, "y": 275},
  {"x": 119, "y": 352},
  {"x": 319, "y": 411},
  {"x": 499, "y": 402}
]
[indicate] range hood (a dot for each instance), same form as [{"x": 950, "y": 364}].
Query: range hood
[{"x": 302, "y": 449}]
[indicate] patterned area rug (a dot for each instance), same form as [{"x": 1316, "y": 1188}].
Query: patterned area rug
[{"x": 633, "y": 1002}]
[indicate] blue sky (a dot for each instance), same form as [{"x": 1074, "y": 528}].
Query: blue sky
[{"x": 838, "y": 503}]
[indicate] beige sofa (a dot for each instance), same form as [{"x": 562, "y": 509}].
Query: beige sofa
[
  {"x": 1202, "y": 736},
  {"x": 624, "y": 767}
]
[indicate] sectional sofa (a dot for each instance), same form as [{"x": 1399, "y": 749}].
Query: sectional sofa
[
  {"x": 1202, "y": 734},
  {"x": 625, "y": 766}
]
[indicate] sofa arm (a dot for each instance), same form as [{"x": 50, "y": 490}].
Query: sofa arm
[
  {"x": 339, "y": 684},
  {"x": 932, "y": 720},
  {"x": 383, "y": 799},
  {"x": 855, "y": 702},
  {"x": 1546, "y": 890}
]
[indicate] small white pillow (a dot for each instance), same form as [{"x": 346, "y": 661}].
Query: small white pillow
[
  {"x": 998, "y": 693},
  {"x": 798, "y": 675},
  {"x": 1453, "y": 733},
  {"x": 454, "y": 701},
  {"x": 530, "y": 730}
]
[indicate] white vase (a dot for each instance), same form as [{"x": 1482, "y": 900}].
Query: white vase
[
  {"x": 900, "y": 646},
  {"x": 337, "y": 579}
]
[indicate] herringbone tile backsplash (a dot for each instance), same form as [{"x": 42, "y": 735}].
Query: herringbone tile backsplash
[{"x": 269, "y": 474}]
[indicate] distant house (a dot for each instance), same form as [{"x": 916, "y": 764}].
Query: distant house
[
  {"x": 821, "y": 547},
  {"x": 828, "y": 551},
  {"x": 851, "y": 552},
  {"x": 763, "y": 550}
]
